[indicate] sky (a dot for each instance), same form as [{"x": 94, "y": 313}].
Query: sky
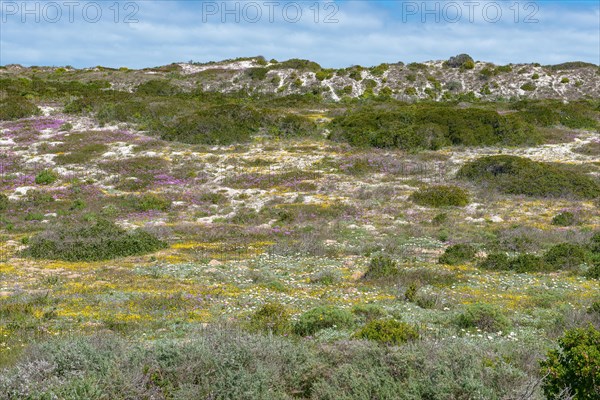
[{"x": 138, "y": 34}]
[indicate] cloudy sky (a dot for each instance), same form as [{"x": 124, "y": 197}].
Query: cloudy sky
[{"x": 334, "y": 33}]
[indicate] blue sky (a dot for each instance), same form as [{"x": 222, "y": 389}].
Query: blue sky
[{"x": 341, "y": 33}]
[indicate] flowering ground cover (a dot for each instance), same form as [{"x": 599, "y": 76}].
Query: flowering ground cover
[{"x": 293, "y": 224}]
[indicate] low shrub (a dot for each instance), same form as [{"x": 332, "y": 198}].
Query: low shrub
[
  {"x": 16, "y": 107},
  {"x": 565, "y": 256},
  {"x": 149, "y": 202},
  {"x": 323, "y": 317},
  {"x": 46, "y": 177},
  {"x": 328, "y": 277},
  {"x": 524, "y": 263},
  {"x": 4, "y": 202},
  {"x": 594, "y": 244},
  {"x": 272, "y": 317},
  {"x": 593, "y": 271},
  {"x": 496, "y": 262},
  {"x": 458, "y": 254},
  {"x": 100, "y": 240},
  {"x": 157, "y": 87},
  {"x": 522, "y": 176},
  {"x": 415, "y": 127},
  {"x": 529, "y": 87},
  {"x": 389, "y": 332},
  {"x": 483, "y": 316},
  {"x": 461, "y": 61},
  {"x": 368, "y": 312},
  {"x": 565, "y": 218},
  {"x": 381, "y": 266},
  {"x": 441, "y": 196},
  {"x": 574, "y": 367}
]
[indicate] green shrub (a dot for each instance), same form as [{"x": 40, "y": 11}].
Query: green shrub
[
  {"x": 323, "y": 317},
  {"x": 100, "y": 240},
  {"x": 458, "y": 254},
  {"x": 272, "y": 317},
  {"x": 524, "y": 263},
  {"x": 381, "y": 266},
  {"x": 4, "y": 202},
  {"x": 257, "y": 74},
  {"x": 368, "y": 312},
  {"x": 574, "y": 366},
  {"x": 149, "y": 202},
  {"x": 389, "y": 332},
  {"x": 46, "y": 177},
  {"x": 535, "y": 76},
  {"x": 575, "y": 114},
  {"x": 565, "y": 256},
  {"x": 593, "y": 271},
  {"x": 327, "y": 277},
  {"x": 565, "y": 218},
  {"x": 483, "y": 316},
  {"x": 324, "y": 74},
  {"x": 517, "y": 175},
  {"x": 157, "y": 87},
  {"x": 496, "y": 262},
  {"x": 529, "y": 87},
  {"x": 440, "y": 219},
  {"x": 16, "y": 107},
  {"x": 441, "y": 196},
  {"x": 595, "y": 243},
  {"x": 429, "y": 126},
  {"x": 564, "y": 80},
  {"x": 461, "y": 61}
]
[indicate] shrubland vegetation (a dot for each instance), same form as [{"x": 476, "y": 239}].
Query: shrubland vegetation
[
  {"x": 95, "y": 241},
  {"x": 522, "y": 176},
  {"x": 419, "y": 251}
]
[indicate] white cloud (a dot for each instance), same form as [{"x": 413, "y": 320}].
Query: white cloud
[{"x": 368, "y": 33}]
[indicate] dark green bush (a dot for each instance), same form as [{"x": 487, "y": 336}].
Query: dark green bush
[
  {"x": 16, "y": 107},
  {"x": 593, "y": 271},
  {"x": 595, "y": 243},
  {"x": 566, "y": 256},
  {"x": 323, "y": 317},
  {"x": 441, "y": 196},
  {"x": 517, "y": 175},
  {"x": 381, "y": 266},
  {"x": 429, "y": 126},
  {"x": 272, "y": 317},
  {"x": 100, "y": 240},
  {"x": 157, "y": 87},
  {"x": 529, "y": 87},
  {"x": 458, "y": 254},
  {"x": 388, "y": 331},
  {"x": 215, "y": 125},
  {"x": 46, "y": 177},
  {"x": 4, "y": 202},
  {"x": 461, "y": 61},
  {"x": 575, "y": 114},
  {"x": 524, "y": 263},
  {"x": 496, "y": 262},
  {"x": 565, "y": 218},
  {"x": 486, "y": 317},
  {"x": 574, "y": 366}
]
